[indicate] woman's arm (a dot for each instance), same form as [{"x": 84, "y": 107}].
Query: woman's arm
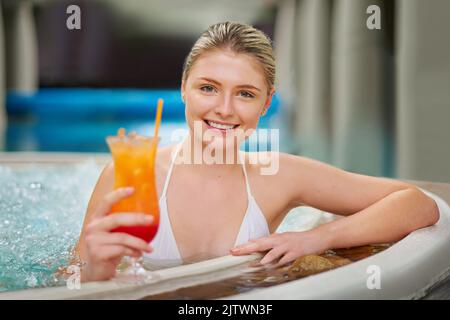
[
  {"x": 376, "y": 210},
  {"x": 341, "y": 192},
  {"x": 388, "y": 220},
  {"x": 331, "y": 189},
  {"x": 99, "y": 250},
  {"x": 103, "y": 186}
]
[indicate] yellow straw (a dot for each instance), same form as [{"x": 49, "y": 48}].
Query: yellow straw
[
  {"x": 157, "y": 122},
  {"x": 158, "y": 116}
]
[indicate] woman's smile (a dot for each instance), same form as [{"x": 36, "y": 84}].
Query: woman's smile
[
  {"x": 227, "y": 92},
  {"x": 220, "y": 126}
]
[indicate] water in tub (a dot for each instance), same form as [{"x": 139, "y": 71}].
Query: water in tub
[{"x": 41, "y": 214}]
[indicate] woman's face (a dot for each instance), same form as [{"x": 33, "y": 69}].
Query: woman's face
[{"x": 225, "y": 92}]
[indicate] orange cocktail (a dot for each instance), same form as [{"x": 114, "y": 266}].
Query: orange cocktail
[{"x": 134, "y": 166}]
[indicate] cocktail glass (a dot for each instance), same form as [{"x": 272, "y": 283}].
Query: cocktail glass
[{"x": 134, "y": 166}]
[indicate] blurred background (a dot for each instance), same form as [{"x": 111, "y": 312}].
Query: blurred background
[{"x": 373, "y": 101}]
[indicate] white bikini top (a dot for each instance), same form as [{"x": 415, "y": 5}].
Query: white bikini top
[{"x": 165, "y": 249}]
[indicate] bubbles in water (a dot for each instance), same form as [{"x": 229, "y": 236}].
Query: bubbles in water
[
  {"x": 272, "y": 279},
  {"x": 36, "y": 185},
  {"x": 41, "y": 214},
  {"x": 31, "y": 281}
]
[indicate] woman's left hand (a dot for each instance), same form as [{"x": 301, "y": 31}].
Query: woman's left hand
[{"x": 283, "y": 248}]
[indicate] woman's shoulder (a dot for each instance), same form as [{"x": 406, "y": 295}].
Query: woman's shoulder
[
  {"x": 164, "y": 156},
  {"x": 272, "y": 163},
  {"x": 269, "y": 174},
  {"x": 274, "y": 170}
]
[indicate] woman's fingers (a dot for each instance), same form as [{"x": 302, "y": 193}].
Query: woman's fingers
[
  {"x": 261, "y": 244},
  {"x": 287, "y": 258},
  {"x": 273, "y": 255},
  {"x": 123, "y": 239},
  {"x": 117, "y": 251},
  {"x": 116, "y": 220},
  {"x": 110, "y": 199}
]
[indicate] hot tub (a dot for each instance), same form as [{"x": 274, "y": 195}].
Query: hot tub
[{"x": 407, "y": 269}]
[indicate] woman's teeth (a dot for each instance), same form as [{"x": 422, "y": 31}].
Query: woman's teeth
[{"x": 220, "y": 126}]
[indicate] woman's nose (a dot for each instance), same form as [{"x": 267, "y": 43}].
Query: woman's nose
[{"x": 225, "y": 107}]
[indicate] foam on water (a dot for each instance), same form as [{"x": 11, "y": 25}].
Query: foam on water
[
  {"x": 304, "y": 218},
  {"x": 41, "y": 214}
]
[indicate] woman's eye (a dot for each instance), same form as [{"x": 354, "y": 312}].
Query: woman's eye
[
  {"x": 247, "y": 94},
  {"x": 207, "y": 88}
]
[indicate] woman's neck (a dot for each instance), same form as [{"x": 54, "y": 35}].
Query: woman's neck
[{"x": 206, "y": 160}]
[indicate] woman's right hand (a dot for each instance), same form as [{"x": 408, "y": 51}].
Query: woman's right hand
[{"x": 103, "y": 249}]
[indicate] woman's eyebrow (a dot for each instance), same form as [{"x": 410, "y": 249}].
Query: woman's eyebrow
[
  {"x": 210, "y": 80},
  {"x": 247, "y": 86}
]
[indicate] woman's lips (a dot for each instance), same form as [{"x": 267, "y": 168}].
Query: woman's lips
[{"x": 223, "y": 131}]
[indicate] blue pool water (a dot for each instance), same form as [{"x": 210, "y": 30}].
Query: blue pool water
[
  {"x": 78, "y": 120},
  {"x": 41, "y": 214}
]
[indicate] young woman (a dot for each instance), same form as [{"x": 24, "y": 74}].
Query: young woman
[{"x": 210, "y": 210}]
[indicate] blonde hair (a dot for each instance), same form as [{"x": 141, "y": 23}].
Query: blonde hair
[{"x": 240, "y": 38}]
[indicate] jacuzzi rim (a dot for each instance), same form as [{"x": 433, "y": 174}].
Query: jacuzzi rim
[{"x": 418, "y": 262}]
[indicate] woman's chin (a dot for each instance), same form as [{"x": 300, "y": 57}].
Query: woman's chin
[
  {"x": 218, "y": 150},
  {"x": 219, "y": 143}
]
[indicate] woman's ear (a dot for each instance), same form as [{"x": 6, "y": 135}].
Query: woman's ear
[
  {"x": 268, "y": 101},
  {"x": 183, "y": 90}
]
